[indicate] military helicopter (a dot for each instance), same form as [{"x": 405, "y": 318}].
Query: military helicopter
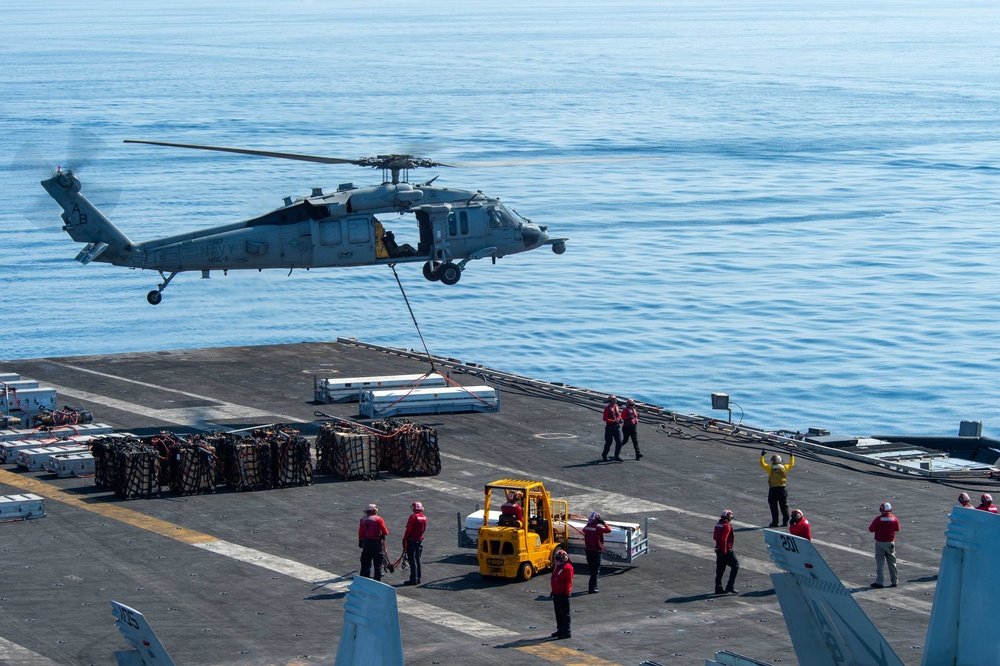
[{"x": 322, "y": 230}]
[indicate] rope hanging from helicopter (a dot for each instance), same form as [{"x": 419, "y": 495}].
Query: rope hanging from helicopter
[{"x": 413, "y": 317}]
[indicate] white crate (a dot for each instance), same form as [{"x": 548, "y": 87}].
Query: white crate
[
  {"x": 34, "y": 460},
  {"x": 71, "y": 464},
  {"x": 9, "y": 449},
  {"x": 350, "y": 390},
  {"x": 17, "y": 384},
  {"x": 21, "y": 507},
  {"x": 376, "y": 404},
  {"x": 9, "y": 377},
  {"x": 29, "y": 401},
  {"x": 61, "y": 431}
]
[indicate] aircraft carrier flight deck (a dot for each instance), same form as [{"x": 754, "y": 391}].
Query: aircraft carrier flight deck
[{"x": 260, "y": 577}]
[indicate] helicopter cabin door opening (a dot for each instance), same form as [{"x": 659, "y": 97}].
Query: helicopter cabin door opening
[{"x": 347, "y": 241}]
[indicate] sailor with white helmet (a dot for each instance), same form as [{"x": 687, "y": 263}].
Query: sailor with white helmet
[
  {"x": 885, "y": 527},
  {"x": 965, "y": 501},
  {"x": 986, "y": 503},
  {"x": 593, "y": 544},
  {"x": 413, "y": 541},
  {"x": 371, "y": 535},
  {"x": 725, "y": 556}
]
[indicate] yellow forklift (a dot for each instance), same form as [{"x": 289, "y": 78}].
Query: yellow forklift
[{"x": 513, "y": 548}]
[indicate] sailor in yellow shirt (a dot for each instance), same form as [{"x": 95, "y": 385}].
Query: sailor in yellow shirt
[{"x": 777, "y": 494}]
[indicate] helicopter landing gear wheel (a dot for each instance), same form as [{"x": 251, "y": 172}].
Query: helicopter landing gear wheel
[
  {"x": 449, "y": 273},
  {"x": 154, "y": 297},
  {"x": 431, "y": 272},
  {"x": 525, "y": 571}
]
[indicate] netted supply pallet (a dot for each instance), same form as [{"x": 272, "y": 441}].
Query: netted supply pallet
[
  {"x": 245, "y": 463},
  {"x": 347, "y": 451},
  {"x": 126, "y": 465},
  {"x": 407, "y": 448},
  {"x": 291, "y": 456},
  {"x": 138, "y": 475},
  {"x": 189, "y": 467}
]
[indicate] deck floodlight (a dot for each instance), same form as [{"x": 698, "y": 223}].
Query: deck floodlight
[{"x": 721, "y": 401}]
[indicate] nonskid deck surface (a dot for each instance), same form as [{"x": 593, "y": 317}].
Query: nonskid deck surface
[{"x": 259, "y": 577}]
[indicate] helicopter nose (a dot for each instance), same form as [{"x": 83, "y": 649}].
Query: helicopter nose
[{"x": 533, "y": 236}]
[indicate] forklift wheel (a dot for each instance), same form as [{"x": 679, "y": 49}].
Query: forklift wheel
[{"x": 525, "y": 571}]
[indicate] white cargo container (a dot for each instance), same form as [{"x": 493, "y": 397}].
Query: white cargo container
[
  {"x": 350, "y": 390},
  {"x": 36, "y": 459},
  {"x": 445, "y": 400},
  {"x": 71, "y": 464},
  {"x": 21, "y": 507}
]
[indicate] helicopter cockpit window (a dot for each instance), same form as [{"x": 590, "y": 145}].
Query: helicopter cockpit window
[
  {"x": 458, "y": 223},
  {"x": 500, "y": 218}
]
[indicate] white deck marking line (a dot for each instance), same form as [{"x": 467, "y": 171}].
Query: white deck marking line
[
  {"x": 199, "y": 416},
  {"x": 12, "y": 653},
  {"x": 308, "y": 574},
  {"x": 614, "y": 500}
]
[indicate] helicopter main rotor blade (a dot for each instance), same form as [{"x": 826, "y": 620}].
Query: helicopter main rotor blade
[{"x": 246, "y": 151}]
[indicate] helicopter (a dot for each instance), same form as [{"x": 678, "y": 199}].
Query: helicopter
[{"x": 322, "y": 230}]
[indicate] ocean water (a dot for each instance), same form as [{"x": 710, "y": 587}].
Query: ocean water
[{"x": 794, "y": 203}]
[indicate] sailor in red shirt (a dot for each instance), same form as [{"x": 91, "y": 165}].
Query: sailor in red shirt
[
  {"x": 562, "y": 587},
  {"x": 511, "y": 510},
  {"x": 885, "y": 527},
  {"x": 986, "y": 503},
  {"x": 612, "y": 428},
  {"x": 593, "y": 544},
  {"x": 371, "y": 535},
  {"x": 799, "y": 526},
  {"x": 724, "y": 554},
  {"x": 630, "y": 426},
  {"x": 413, "y": 541}
]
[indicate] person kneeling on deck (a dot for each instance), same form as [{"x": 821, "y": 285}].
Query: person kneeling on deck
[
  {"x": 511, "y": 513},
  {"x": 593, "y": 544},
  {"x": 371, "y": 535}
]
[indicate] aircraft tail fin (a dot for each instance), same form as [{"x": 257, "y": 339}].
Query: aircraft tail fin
[
  {"x": 966, "y": 591},
  {"x": 826, "y": 624},
  {"x": 370, "y": 636},
  {"x": 148, "y": 651},
  {"x": 85, "y": 223}
]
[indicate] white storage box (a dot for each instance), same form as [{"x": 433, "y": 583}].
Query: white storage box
[
  {"x": 375, "y": 404},
  {"x": 350, "y": 390},
  {"x": 21, "y": 507},
  {"x": 34, "y": 460},
  {"x": 71, "y": 464},
  {"x": 62, "y": 431}
]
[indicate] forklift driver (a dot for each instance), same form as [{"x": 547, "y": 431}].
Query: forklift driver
[{"x": 511, "y": 513}]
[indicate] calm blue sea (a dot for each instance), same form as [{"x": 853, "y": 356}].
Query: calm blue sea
[{"x": 794, "y": 203}]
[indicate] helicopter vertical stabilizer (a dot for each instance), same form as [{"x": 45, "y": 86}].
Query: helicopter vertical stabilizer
[{"x": 84, "y": 223}]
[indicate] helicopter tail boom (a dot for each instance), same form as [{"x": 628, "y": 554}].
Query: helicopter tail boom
[{"x": 85, "y": 223}]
